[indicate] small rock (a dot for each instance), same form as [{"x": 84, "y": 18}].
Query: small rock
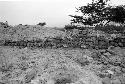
[
  {"x": 116, "y": 81},
  {"x": 50, "y": 81},
  {"x": 107, "y": 54},
  {"x": 106, "y": 80},
  {"x": 122, "y": 79},
  {"x": 123, "y": 70},
  {"x": 30, "y": 76},
  {"x": 110, "y": 72}
]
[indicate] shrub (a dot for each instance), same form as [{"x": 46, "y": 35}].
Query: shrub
[
  {"x": 69, "y": 27},
  {"x": 42, "y": 24},
  {"x": 111, "y": 29}
]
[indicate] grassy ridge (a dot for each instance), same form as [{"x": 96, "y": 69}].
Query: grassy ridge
[{"x": 98, "y": 37}]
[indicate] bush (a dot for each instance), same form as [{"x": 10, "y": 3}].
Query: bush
[
  {"x": 68, "y": 27},
  {"x": 118, "y": 42},
  {"x": 111, "y": 29},
  {"x": 42, "y": 24}
]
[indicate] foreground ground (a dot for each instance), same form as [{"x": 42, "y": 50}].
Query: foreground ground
[{"x": 61, "y": 66}]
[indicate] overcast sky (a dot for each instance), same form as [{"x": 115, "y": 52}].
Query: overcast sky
[{"x": 53, "y": 12}]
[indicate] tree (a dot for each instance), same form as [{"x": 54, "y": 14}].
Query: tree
[
  {"x": 99, "y": 12},
  {"x": 117, "y": 14}
]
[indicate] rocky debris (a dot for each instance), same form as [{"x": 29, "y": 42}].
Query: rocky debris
[
  {"x": 115, "y": 81},
  {"x": 62, "y": 81},
  {"x": 122, "y": 78},
  {"x": 59, "y": 64},
  {"x": 114, "y": 58},
  {"x": 107, "y": 54},
  {"x": 30, "y": 75},
  {"x": 106, "y": 80},
  {"x": 68, "y": 71},
  {"x": 87, "y": 81}
]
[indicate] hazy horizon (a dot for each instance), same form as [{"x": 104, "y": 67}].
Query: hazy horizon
[{"x": 53, "y": 12}]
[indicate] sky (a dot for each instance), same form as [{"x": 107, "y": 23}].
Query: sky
[{"x": 53, "y": 12}]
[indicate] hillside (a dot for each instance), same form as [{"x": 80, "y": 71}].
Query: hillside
[
  {"x": 33, "y": 54},
  {"x": 28, "y": 32}
]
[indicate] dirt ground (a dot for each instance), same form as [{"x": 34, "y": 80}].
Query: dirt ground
[
  {"x": 42, "y": 65},
  {"x": 56, "y": 66}
]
